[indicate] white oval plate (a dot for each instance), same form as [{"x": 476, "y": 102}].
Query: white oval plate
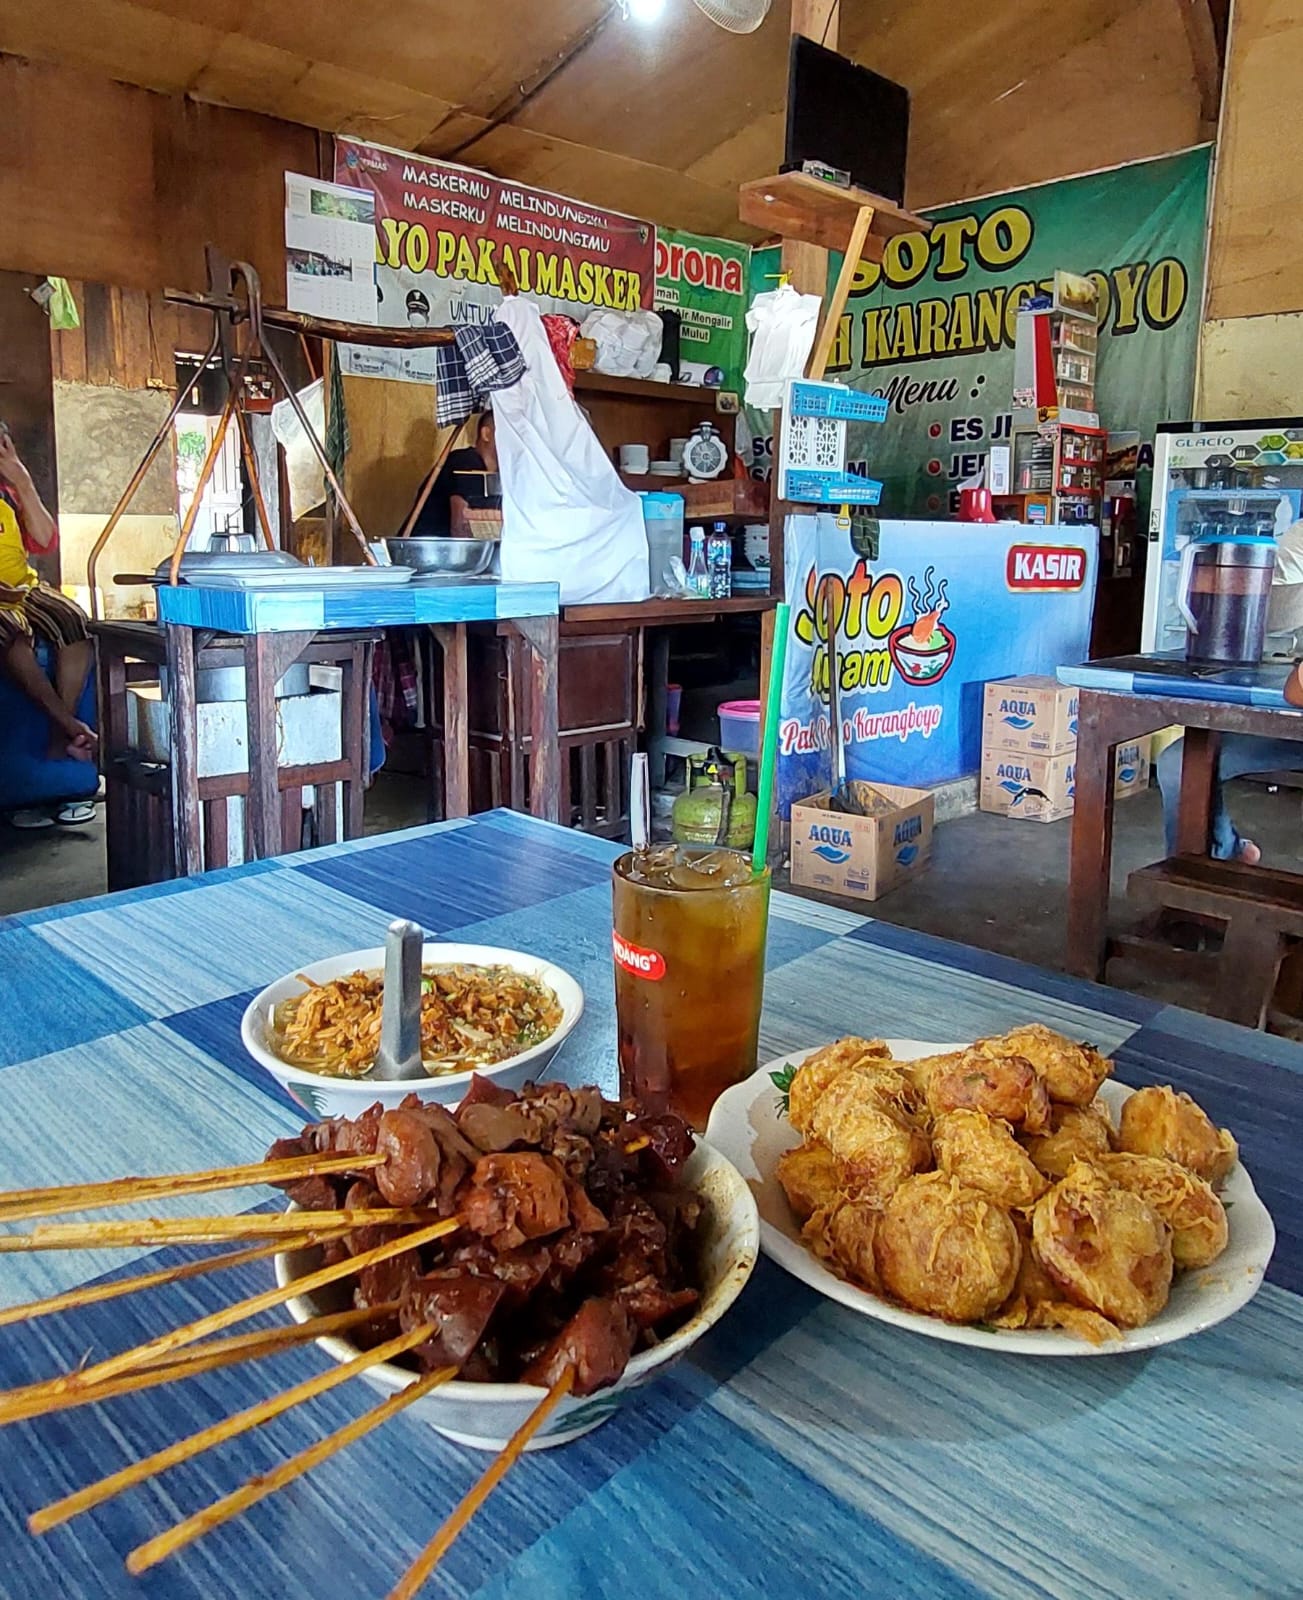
[{"x": 748, "y": 1127}]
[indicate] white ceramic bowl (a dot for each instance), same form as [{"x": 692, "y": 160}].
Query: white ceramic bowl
[
  {"x": 485, "y": 1415},
  {"x": 346, "y": 1097}
]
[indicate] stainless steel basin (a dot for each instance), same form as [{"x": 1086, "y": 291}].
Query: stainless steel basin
[{"x": 450, "y": 558}]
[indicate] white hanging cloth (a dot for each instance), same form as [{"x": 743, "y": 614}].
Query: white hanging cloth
[
  {"x": 783, "y": 325},
  {"x": 566, "y": 517}
]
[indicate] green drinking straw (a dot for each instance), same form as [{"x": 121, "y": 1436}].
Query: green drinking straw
[{"x": 769, "y": 755}]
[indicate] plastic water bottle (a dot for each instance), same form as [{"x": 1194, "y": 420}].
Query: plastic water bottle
[
  {"x": 698, "y": 575},
  {"x": 719, "y": 562}
]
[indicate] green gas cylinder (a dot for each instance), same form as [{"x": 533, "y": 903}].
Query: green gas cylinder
[{"x": 715, "y": 808}]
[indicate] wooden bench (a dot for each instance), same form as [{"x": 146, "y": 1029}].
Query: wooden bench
[{"x": 1261, "y": 909}]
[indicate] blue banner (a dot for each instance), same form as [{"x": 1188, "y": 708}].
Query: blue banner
[{"x": 925, "y": 619}]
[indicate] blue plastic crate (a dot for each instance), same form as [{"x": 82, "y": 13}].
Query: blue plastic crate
[
  {"x": 831, "y": 489},
  {"x": 836, "y": 401}
]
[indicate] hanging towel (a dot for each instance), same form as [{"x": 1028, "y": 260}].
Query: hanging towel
[
  {"x": 566, "y": 517},
  {"x": 783, "y": 325},
  {"x": 481, "y": 359}
]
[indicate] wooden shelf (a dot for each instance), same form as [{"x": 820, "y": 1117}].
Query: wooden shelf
[
  {"x": 646, "y": 389},
  {"x": 797, "y": 206},
  {"x": 657, "y": 613},
  {"x": 652, "y": 483}
]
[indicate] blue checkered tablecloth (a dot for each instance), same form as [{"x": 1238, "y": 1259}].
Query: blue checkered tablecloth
[{"x": 802, "y": 1450}]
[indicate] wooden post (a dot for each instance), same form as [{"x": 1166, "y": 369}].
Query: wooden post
[
  {"x": 186, "y": 831},
  {"x": 542, "y": 635},
  {"x": 263, "y": 797},
  {"x": 267, "y": 657},
  {"x": 832, "y": 315},
  {"x": 1198, "y": 777},
  {"x": 456, "y": 719}
]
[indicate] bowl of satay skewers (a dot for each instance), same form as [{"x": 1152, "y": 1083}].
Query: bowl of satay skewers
[{"x": 578, "y": 1248}]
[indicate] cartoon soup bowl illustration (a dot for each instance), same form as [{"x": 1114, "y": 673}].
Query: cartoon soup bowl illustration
[{"x": 923, "y": 649}]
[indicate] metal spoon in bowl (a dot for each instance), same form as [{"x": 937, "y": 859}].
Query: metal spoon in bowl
[{"x": 399, "y": 1055}]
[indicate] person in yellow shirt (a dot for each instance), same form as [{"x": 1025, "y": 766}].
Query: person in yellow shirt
[{"x": 31, "y": 610}]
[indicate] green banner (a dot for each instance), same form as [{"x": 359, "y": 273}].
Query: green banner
[
  {"x": 705, "y": 280},
  {"x": 932, "y": 326}
]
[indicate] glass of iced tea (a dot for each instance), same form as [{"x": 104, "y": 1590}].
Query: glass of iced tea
[{"x": 689, "y": 947}]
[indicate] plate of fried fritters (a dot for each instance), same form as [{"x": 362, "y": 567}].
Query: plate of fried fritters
[{"x": 1006, "y": 1193}]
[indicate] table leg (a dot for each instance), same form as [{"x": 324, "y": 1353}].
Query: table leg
[
  {"x": 1247, "y": 969},
  {"x": 187, "y": 833},
  {"x": 1092, "y": 844},
  {"x": 658, "y": 705},
  {"x": 456, "y": 719},
  {"x": 267, "y": 657},
  {"x": 263, "y": 799},
  {"x": 1198, "y": 777},
  {"x": 355, "y": 748},
  {"x": 542, "y": 635}
]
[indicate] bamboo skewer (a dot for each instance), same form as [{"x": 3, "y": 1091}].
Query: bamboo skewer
[
  {"x": 215, "y": 1321},
  {"x": 19, "y": 1204},
  {"x": 254, "y": 1416},
  {"x": 196, "y": 1359},
  {"x": 149, "y": 1554},
  {"x": 155, "y": 1231},
  {"x": 93, "y": 1294},
  {"x": 419, "y": 1571}
]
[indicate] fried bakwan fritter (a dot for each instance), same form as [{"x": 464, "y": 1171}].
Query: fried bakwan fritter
[
  {"x": 946, "y": 1249},
  {"x": 920, "y": 1072},
  {"x": 1161, "y": 1122},
  {"x": 817, "y": 1071},
  {"x": 811, "y": 1177},
  {"x": 842, "y": 1234},
  {"x": 1037, "y": 1301},
  {"x": 1001, "y": 1086},
  {"x": 1071, "y": 1072},
  {"x": 1077, "y": 1133},
  {"x": 1108, "y": 1249},
  {"x": 984, "y": 1155},
  {"x": 1185, "y": 1202},
  {"x": 877, "y": 1141}
]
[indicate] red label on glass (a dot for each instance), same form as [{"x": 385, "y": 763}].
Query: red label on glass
[{"x": 633, "y": 958}]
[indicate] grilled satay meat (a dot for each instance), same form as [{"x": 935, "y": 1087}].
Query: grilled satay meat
[
  {"x": 597, "y": 1342},
  {"x": 576, "y": 1242}
]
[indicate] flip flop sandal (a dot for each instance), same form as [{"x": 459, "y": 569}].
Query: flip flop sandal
[
  {"x": 76, "y": 812},
  {"x": 30, "y": 819}
]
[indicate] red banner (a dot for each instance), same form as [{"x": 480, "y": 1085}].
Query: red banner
[{"x": 446, "y": 234}]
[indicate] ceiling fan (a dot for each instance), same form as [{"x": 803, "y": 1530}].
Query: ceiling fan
[{"x": 736, "y": 16}]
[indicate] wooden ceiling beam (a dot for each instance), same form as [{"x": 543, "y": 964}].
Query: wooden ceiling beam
[{"x": 1205, "y": 58}]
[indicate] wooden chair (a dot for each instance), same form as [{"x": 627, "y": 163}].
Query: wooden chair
[{"x": 1260, "y": 908}]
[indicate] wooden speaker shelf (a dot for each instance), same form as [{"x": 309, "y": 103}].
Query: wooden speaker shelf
[{"x": 797, "y": 206}]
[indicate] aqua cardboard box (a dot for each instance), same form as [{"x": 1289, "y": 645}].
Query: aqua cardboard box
[
  {"x": 1031, "y": 715},
  {"x": 1131, "y": 769},
  {"x": 1034, "y": 788},
  {"x": 1044, "y": 788},
  {"x": 864, "y": 857}
]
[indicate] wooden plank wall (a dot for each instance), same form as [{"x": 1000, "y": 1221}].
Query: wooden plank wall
[
  {"x": 127, "y": 338},
  {"x": 116, "y": 185},
  {"x": 1257, "y": 232},
  {"x": 26, "y": 390}
]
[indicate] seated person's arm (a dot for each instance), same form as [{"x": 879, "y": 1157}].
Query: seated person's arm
[
  {"x": 459, "y": 517},
  {"x": 40, "y": 532}
]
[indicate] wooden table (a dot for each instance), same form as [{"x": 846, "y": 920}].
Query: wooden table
[
  {"x": 798, "y": 1450},
  {"x": 139, "y": 810},
  {"x": 1119, "y": 704},
  {"x": 612, "y": 671},
  {"x": 276, "y": 626}
]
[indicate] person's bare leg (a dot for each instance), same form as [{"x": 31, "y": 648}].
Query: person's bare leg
[
  {"x": 23, "y": 667},
  {"x": 71, "y": 667}
]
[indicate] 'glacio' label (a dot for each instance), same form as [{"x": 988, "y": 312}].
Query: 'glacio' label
[{"x": 633, "y": 958}]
